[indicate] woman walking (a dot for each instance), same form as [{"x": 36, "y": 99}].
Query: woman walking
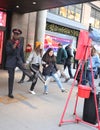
[{"x": 50, "y": 69}]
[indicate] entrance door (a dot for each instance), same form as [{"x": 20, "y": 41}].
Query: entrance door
[{"x": 1, "y": 44}]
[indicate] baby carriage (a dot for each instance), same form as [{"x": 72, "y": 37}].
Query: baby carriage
[{"x": 35, "y": 69}]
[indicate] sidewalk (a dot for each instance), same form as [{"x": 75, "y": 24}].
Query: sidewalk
[{"x": 37, "y": 112}]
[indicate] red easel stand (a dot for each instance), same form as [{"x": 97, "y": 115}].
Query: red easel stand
[{"x": 77, "y": 119}]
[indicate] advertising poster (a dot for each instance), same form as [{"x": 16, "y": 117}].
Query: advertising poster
[{"x": 52, "y": 41}]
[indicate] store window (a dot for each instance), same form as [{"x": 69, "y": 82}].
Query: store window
[
  {"x": 95, "y": 16},
  {"x": 73, "y": 12},
  {"x": 2, "y": 19},
  {"x": 63, "y": 11}
]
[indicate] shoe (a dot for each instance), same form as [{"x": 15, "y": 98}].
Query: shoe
[
  {"x": 66, "y": 80},
  {"x": 72, "y": 77},
  {"x": 10, "y": 96},
  {"x": 32, "y": 92},
  {"x": 21, "y": 81},
  {"x": 29, "y": 80},
  {"x": 63, "y": 90},
  {"x": 45, "y": 92}
]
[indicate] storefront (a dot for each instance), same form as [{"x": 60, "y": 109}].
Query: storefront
[{"x": 3, "y": 17}]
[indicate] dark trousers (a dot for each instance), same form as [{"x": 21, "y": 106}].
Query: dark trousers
[
  {"x": 36, "y": 68},
  {"x": 33, "y": 83},
  {"x": 69, "y": 71},
  {"x": 11, "y": 72},
  {"x": 25, "y": 71}
]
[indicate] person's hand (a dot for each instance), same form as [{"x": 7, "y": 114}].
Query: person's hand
[
  {"x": 89, "y": 66},
  {"x": 16, "y": 44},
  {"x": 46, "y": 65},
  {"x": 24, "y": 65}
]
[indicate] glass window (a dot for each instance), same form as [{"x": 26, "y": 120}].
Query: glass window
[
  {"x": 72, "y": 12},
  {"x": 54, "y": 10},
  {"x": 95, "y": 15},
  {"x": 63, "y": 11}
]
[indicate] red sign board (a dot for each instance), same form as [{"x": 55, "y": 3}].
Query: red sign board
[{"x": 84, "y": 44}]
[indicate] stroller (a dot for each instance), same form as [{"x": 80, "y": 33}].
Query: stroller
[{"x": 36, "y": 72}]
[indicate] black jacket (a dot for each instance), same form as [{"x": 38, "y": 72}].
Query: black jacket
[
  {"x": 14, "y": 56},
  {"x": 51, "y": 68},
  {"x": 69, "y": 55}
]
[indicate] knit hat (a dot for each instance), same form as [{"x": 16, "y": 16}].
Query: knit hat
[{"x": 37, "y": 44}]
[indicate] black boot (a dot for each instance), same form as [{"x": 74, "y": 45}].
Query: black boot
[
  {"x": 21, "y": 81},
  {"x": 10, "y": 95}
]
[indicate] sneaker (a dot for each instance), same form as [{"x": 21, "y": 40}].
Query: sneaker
[
  {"x": 32, "y": 92},
  {"x": 21, "y": 81},
  {"x": 29, "y": 80},
  {"x": 63, "y": 90},
  {"x": 45, "y": 92},
  {"x": 66, "y": 80}
]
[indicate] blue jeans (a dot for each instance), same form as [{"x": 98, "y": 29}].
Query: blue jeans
[
  {"x": 56, "y": 78},
  {"x": 89, "y": 78}
]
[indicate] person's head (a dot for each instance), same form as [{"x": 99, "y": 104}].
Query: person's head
[
  {"x": 16, "y": 33},
  {"x": 49, "y": 56},
  {"x": 60, "y": 45},
  {"x": 37, "y": 47},
  {"x": 50, "y": 52},
  {"x": 93, "y": 51}
]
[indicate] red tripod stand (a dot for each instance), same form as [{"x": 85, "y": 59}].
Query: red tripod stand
[{"x": 84, "y": 45}]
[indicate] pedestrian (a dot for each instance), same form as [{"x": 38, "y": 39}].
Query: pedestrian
[
  {"x": 35, "y": 60},
  {"x": 68, "y": 61},
  {"x": 75, "y": 64},
  {"x": 50, "y": 69},
  {"x": 15, "y": 58},
  {"x": 60, "y": 60},
  {"x": 95, "y": 64}
]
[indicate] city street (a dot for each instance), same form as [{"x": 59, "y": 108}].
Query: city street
[{"x": 39, "y": 111}]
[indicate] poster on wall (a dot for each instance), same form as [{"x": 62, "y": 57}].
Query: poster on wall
[{"x": 52, "y": 41}]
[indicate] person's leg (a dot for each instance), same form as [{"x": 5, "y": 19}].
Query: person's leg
[
  {"x": 25, "y": 71},
  {"x": 47, "y": 78},
  {"x": 61, "y": 68},
  {"x": 33, "y": 86},
  {"x": 90, "y": 79},
  {"x": 11, "y": 72},
  {"x": 22, "y": 79},
  {"x": 55, "y": 76},
  {"x": 69, "y": 71}
]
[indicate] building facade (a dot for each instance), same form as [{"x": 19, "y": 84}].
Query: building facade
[{"x": 55, "y": 25}]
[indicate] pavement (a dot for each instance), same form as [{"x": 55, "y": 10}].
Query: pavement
[{"x": 39, "y": 111}]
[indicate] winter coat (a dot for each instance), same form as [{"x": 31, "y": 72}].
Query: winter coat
[{"x": 61, "y": 56}]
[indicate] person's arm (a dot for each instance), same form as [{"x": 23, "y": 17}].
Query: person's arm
[
  {"x": 22, "y": 55},
  {"x": 30, "y": 58},
  {"x": 10, "y": 48}
]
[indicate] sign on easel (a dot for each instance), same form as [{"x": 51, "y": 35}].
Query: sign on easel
[{"x": 84, "y": 44}]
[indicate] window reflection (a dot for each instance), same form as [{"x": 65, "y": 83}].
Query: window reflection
[
  {"x": 71, "y": 12},
  {"x": 95, "y": 15}
]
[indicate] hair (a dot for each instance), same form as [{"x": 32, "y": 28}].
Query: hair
[
  {"x": 47, "y": 58},
  {"x": 93, "y": 51}
]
